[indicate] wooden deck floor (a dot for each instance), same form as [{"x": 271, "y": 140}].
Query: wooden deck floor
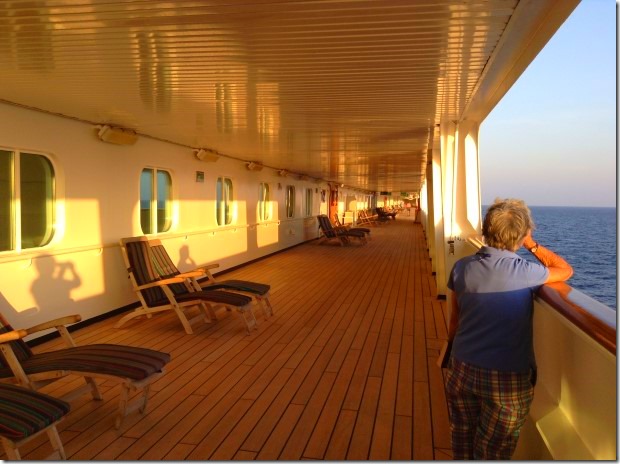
[{"x": 345, "y": 369}]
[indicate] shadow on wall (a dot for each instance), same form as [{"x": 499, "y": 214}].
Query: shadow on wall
[
  {"x": 61, "y": 278},
  {"x": 185, "y": 260}
]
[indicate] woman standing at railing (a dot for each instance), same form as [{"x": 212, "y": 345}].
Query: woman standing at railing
[{"x": 492, "y": 371}]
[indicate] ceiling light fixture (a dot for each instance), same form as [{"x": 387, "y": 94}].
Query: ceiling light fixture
[
  {"x": 116, "y": 135},
  {"x": 252, "y": 166},
  {"x": 206, "y": 155}
]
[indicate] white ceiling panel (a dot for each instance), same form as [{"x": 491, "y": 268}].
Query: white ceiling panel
[{"x": 344, "y": 90}]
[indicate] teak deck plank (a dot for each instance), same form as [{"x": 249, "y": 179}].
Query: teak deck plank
[{"x": 344, "y": 369}]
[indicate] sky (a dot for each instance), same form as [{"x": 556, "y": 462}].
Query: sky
[{"x": 551, "y": 140}]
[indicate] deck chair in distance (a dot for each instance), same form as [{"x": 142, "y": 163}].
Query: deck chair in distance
[
  {"x": 348, "y": 227},
  {"x": 364, "y": 218},
  {"x": 136, "y": 368},
  {"x": 385, "y": 215},
  {"x": 24, "y": 415},
  {"x": 343, "y": 236},
  {"x": 176, "y": 294},
  {"x": 202, "y": 279}
]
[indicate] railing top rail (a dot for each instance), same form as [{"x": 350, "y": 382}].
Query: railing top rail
[{"x": 595, "y": 319}]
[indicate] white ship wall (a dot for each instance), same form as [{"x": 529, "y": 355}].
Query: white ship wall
[{"x": 97, "y": 197}]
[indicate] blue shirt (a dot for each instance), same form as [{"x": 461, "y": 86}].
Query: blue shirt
[{"x": 495, "y": 290}]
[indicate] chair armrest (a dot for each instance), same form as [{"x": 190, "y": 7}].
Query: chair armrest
[
  {"x": 161, "y": 283},
  {"x": 61, "y": 321},
  {"x": 207, "y": 267},
  {"x": 191, "y": 274},
  {"x": 12, "y": 335}
]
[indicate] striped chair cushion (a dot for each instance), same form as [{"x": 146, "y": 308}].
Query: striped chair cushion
[
  {"x": 353, "y": 233},
  {"x": 21, "y": 350},
  {"x": 162, "y": 263},
  {"x": 166, "y": 268},
  {"x": 210, "y": 296},
  {"x": 24, "y": 412},
  {"x": 118, "y": 360},
  {"x": 242, "y": 286}
]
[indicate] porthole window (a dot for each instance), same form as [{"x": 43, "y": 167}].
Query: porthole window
[
  {"x": 27, "y": 200},
  {"x": 155, "y": 201},
  {"x": 224, "y": 200},
  {"x": 309, "y": 196},
  {"x": 290, "y": 201},
  {"x": 264, "y": 202}
]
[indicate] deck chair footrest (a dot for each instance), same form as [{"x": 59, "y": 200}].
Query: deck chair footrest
[
  {"x": 241, "y": 286},
  {"x": 105, "y": 359},
  {"x": 24, "y": 412}
]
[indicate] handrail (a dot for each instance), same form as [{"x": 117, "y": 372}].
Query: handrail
[
  {"x": 11, "y": 256},
  {"x": 561, "y": 297}
]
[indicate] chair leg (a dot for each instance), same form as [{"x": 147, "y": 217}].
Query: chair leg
[
  {"x": 145, "y": 398},
  {"x": 124, "y": 408},
  {"x": 204, "y": 310},
  {"x": 135, "y": 313},
  {"x": 122, "y": 405},
  {"x": 266, "y": 305},
  {"x": 181, "y": 315},
  {"x": 248, "y": 318},
  {"x": 12, "y": 451},
  {"x": 93, "y": 388},
  {"x": 52, "y": 433},
  {"x": 211, "y": 312},
  {"x": 10, "y": 448}
]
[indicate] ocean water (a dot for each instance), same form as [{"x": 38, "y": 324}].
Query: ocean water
[{"x": 586, "y": 238}]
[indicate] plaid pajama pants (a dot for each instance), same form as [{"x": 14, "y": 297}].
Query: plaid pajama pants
[{"x": 487, "y": 409}]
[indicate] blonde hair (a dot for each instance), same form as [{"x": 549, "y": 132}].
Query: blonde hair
[{"x": 506, "y": 224}]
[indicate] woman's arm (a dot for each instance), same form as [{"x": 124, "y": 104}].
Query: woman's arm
[{"x": 559, "y": 269}]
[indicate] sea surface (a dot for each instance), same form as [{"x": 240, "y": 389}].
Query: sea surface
[{"x": 586, "y": 238}]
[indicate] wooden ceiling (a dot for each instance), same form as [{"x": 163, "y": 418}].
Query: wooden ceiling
[{"x": 343, "y": 90}]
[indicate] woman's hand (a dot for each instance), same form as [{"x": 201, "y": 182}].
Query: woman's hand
[{"x": 528, "y": 241}]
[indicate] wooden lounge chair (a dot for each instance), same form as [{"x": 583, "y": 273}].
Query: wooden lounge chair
[
  {"x": 136, "y": 368},
  {"x": 176, "y": 293},
  {"x": 342, "y": 235},
  {"x": 24, "y": 415},
  {"x": 384, "y": 215},
  {"x": 338, "y": 224},
  {"x": 365, "y": 218},
  {"x": 202, "y": 279}
]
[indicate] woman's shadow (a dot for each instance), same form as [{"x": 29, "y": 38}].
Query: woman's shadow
[
  {"x": 52, "y": 289},
  {"x": 185, "y": 261}
]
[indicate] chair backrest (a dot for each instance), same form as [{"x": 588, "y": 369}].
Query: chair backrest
[
  {"x": 164, "y": 267},
  {"x": 138, "y": 262},
  {"x": 161, "y": 260},
  {"x": 21, "y": 350},
  {"x": 326, "y": 226}
]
